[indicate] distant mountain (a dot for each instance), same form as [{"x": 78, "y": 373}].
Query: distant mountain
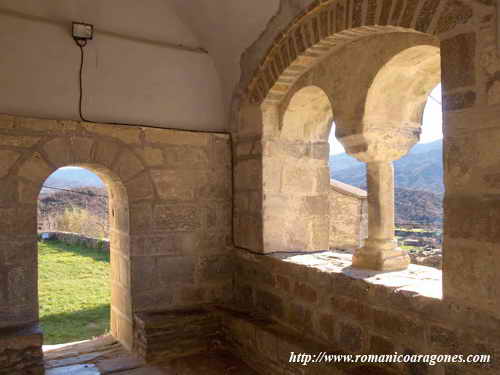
[
  {"x": 73, "y": 178},
  {"x": 418, "y": 177},
  {"x": 418, "y": 206},
  {"x": 421, "y": 169}
]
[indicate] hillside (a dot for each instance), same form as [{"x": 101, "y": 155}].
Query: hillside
[
  {"x": 418, "y": 206},
  {"x": 418, "y": 177},
  {"x": 85, "y": 211},
  {"x": 421, "y": 169},
  {"x": 73, "y": 177}
]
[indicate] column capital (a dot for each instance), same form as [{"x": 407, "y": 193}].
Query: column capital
[{"x": 381, "y": 144}]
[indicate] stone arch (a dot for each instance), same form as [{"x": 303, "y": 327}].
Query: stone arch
[
  {"x": 323, "y": 25},
  {"x": 124, "y": 174},
  {"x": 308, "y": 116},
  {"x": 289, "y": 60}
]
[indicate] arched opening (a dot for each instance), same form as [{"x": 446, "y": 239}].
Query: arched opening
[
  {"x": 419, "y": 186},
  {"x": 390, "y": 127},
  {"x": 308, "y": 116},
  {"x": 84, "y": 275},
  {"x": 73, "y": 257},
  {"x": 419, "y": 190}
]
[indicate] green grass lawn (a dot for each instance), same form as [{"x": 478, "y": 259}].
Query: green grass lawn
[{"x": 74, "y": 292}]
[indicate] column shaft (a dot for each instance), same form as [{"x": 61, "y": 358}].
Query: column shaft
[
  {"x": 380, "y": 200},
  {"x": 380, "y": 251}
]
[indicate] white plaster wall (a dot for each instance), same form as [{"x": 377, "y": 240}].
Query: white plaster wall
[
  {"x": 227, "y": 28},
  {"x": 131, "y": 74}
]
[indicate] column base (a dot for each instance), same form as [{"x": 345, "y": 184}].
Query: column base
[{"x": 381, "y": 256}]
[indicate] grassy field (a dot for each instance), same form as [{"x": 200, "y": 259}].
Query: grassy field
[{"x": 74, "y": 292}]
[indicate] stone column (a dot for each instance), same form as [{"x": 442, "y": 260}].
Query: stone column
[
  {"x": 380, "y": 251},
  {"x": 378, "y": 147}
]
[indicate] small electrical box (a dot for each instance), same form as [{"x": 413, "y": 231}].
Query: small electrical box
[{"x": 82, "y": 31}]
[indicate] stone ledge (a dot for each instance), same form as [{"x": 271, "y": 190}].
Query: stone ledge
[{"x": 425, "y": 281}]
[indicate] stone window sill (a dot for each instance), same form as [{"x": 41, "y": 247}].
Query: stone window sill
[{"x": 422, "y": 280}]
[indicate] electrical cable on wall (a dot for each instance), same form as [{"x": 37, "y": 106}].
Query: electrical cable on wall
[
  {"x": 82, "y": 33},
  {"x": 80, "y": 100}
]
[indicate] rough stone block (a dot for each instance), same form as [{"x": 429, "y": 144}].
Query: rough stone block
[
  {"x": 305, "y": 292},
  {"x": 144, "y": 272},
  {"x": 269, "y": 303},
  {"x": 18, "y": 140},
  {"x": 139, "y": 188},
  {"x": 459, "y": 52},
  {"x": 178, "y": 184},
  {"x": 350, "y": 337},
  {"x": 298, "y": 180},
  {"x": 176, "y": 269},
  {"x": 455, "y": 13},
  {"x": 409, "y": 13},
  {"x": 21, "y": 350},
  {"x": 35, "y": 124},
  {"x": 6, "y": 121},
  {"x": 176, "y": 217},
  {"x": 59, "y": 152},
  {"x": 187, "y": 158},
  {"x": 106, "y": 152},
  {"x": 128, "y": 166},
  {"x": 300, "y": 316},
  {"x": 141, "y": 218},
  {"x": 153, "y": 157},
  {"x": 19, "y": 221},
  {"x": 463, "y": 100},
  {"x": 381, "y": 345},
  {"x": 173, "y": 137},
  {"x": 126, "y": 134},
  {"x": 82, "y": 149},
  {"x": 7, "y": 160},
  {"x": 35, "y": 169},
  {"x": 248, "y": 175},
  {"x": 219, "y": 267},
  {"x": 8, "y": 191}
]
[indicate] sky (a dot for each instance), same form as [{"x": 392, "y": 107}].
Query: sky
[{"x": 432, "y": 124}]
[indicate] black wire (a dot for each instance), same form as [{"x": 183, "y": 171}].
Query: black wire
[
  {"x": 81, "y": 43},
  {"x": 80, "y": 104},
  {"x": 74, "y": 191}
]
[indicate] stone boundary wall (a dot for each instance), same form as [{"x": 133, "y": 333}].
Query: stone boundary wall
[
  {"x": 348, "y": 216},
  {"x": 79, "y": 239}
]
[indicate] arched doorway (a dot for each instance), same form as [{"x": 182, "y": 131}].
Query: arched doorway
[{"x": 74, "y": 283}]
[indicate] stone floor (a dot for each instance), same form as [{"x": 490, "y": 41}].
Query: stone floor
[{"x": 106, "y": 356}]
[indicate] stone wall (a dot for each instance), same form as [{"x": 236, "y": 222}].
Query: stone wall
[
  {"x": 78, "y": 239},
  {"x": 170, "y": 213},
  {"x": 161, "y": 336},
  {"x": 348, "y": 216},
  {"x": 333, "y": 307},
  {"x": 21, "y": 350}
]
